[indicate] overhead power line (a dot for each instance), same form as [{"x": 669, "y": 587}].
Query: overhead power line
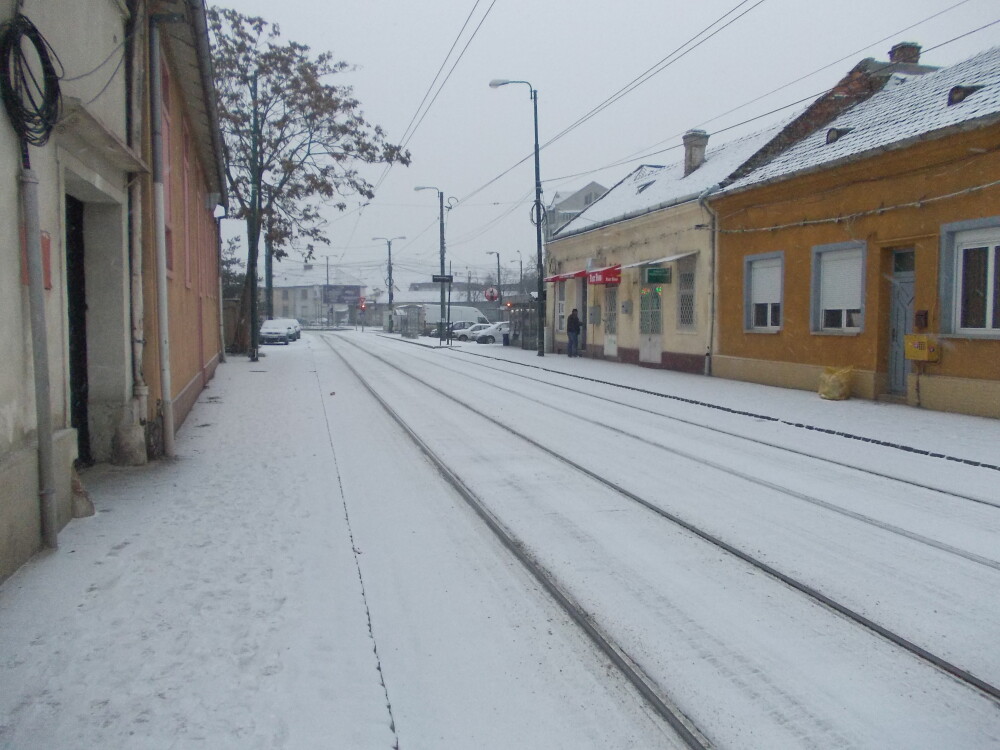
[
  {"x": 679, "y": 52},
  {"x": 644, "y": 154},
  {"x": 415, "y": 123}
]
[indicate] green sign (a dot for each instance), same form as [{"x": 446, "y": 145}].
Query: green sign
[{"x": 657, "y": 275}]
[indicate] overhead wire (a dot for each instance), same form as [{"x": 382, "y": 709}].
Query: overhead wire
[
  {"x": 801, "y": 78},
  {"x": 633, "y": 84},
  {"x": 412, "y": 128},
  {"x": 645, "y": 155},
  {"x": 639, "y": 156}
]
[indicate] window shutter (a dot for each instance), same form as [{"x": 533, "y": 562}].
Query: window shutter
[
  {"x": 765, "y": 281},
  {"x": 840, "y": 279}
]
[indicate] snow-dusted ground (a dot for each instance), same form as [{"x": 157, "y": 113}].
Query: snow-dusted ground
[{"x": 300, "y": 577}]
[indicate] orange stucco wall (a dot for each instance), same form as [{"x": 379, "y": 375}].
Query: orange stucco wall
[
  {"x": 919, "y": 174},
  {"x": 193, "y": 268}
]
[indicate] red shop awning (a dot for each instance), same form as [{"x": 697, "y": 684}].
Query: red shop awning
[
  {"x": 606, "y": 275},
  {"x": 567, "y": 276}
]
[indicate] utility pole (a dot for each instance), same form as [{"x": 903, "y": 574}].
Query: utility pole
[{"x": 388, "y": 242}]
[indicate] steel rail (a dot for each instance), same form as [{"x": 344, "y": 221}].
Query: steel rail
[
  {"x": 811, "y": 499},
  {"x": 692, "y": 402},
  {"x": 938, "y": 662},
  {"x": 643, "y": 683}
]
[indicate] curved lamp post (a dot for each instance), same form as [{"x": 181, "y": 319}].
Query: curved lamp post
[
  {"x": 497, "y": 83},
  {"x": 388, "y": 242},
  {"x": 441, "y": 204}
]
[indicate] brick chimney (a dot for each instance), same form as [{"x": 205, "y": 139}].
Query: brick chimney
[
  {"x": 905, "y": 52},
  {"x": 695, "y": 142}
]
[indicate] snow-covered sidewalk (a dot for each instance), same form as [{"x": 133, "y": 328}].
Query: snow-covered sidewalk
[{"x": 205, "y": 602}]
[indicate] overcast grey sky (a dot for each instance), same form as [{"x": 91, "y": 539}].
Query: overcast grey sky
[{"x": 576, "y": 55}]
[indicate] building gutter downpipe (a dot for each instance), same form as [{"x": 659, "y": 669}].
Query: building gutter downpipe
[
  {"x": 133, "y": 77},
  {"x": 160, "y": 232},
  {"x": 40, "y": 354},
  {"x": 712, "y": 276}
]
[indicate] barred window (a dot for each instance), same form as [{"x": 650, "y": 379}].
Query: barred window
[{"x": 685, "y": 293}]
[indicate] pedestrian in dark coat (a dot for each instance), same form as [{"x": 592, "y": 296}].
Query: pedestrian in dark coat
[{"x": 573, "y": 332}]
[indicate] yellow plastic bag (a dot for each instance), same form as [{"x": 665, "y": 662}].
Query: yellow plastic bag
[{"x": 835, "y": 383}]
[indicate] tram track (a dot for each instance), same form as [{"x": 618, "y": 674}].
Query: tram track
[
  {"x": 748, "y": 477},
  {"x": 645, "y": 685},
  {"x": 958, "y": 673},
  {"x": 747, "y": 438}
]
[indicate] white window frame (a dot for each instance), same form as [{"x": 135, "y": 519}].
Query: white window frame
[
  {"x": 767, "y": 292},
  {"x": 843, "y": 289},
  {"x": 949, "y": 283},
  {"x": 989, "y": 240}
]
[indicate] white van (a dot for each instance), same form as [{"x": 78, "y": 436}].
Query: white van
[{"x": 432, "y": 316}]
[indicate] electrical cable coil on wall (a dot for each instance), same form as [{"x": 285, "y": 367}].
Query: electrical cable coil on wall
[{"x": 33, "y": 103}]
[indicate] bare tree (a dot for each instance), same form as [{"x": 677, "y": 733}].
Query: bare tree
[{"x": 293, "y": 140}]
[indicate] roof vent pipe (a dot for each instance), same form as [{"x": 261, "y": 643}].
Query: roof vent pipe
[
  {"x": 905, "y": 52},
  {"x": 695, "y": 142}
]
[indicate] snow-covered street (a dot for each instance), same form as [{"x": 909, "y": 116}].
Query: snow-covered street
[{"x": 779, "y": 571}]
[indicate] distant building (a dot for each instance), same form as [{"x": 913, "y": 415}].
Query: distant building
[
  {"x": 314, "y": 293},
  {"x": 566, "y": 206}
]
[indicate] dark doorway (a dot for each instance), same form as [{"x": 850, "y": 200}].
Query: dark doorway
[{"x": 76, "y": 296}]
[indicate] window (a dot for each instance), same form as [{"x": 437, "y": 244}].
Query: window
[
  {"x": 304, "y": 294},
  {"x": 762, "y": 292},
  {"x": 685, "y": 293},
  {"x": 650, "y": 310},
  {"x": 561, "y": 305},
  {"x": 977, "y": 276},
  {"x": 838, "y": 288},
  {"x": 284, "y": 294}
]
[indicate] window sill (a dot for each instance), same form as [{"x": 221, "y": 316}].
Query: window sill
[
  {"x": 841, "y": 334},
  {"x": 971, "y": 336},
  {"x": 765, "y": 331}
]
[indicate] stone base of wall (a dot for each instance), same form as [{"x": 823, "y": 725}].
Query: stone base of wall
[
  {"x": 20, "y": 507},
  {"x": 692, "y": 363},
  {"x": 787, "y": 374},
  {"x": 189, "y": 394},
  {"x": 980, "y": 398}
]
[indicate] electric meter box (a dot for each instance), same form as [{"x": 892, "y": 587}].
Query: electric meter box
[{"x": 921, "y": 347}]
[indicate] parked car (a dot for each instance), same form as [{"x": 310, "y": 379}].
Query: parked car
[
  {"x": 275, "y": 332},
  {"x": 492, "y": 333},
  {"x": 294, "y": 325},
  {"x": 459, "y": 326},
  {"x": 470, "y": 333}
]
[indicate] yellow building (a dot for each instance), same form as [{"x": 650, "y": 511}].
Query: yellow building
[
  {"x": 879, "y": 226},
  {"x": 638, "y": 262}
]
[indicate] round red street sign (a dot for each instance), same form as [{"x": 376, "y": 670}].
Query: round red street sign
[{"x": 492, "y": 295}]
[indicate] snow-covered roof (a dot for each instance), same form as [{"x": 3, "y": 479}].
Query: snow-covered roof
[
  {"x": 909, "y": 107},
  {"x": 289, "y": 273},
  {"x": 650, "y": 187}
]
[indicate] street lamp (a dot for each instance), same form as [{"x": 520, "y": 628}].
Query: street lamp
[
  {"x": 494, "y": 84},
  {"x": 388, "y": 242},
  {"x": 499, "y": 288},
  {"x": 441, "y": 204}
]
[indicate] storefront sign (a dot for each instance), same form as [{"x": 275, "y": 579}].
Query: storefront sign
[
  {"x": 609, "y": 275},
  {"x": 655, "y": 275}
]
